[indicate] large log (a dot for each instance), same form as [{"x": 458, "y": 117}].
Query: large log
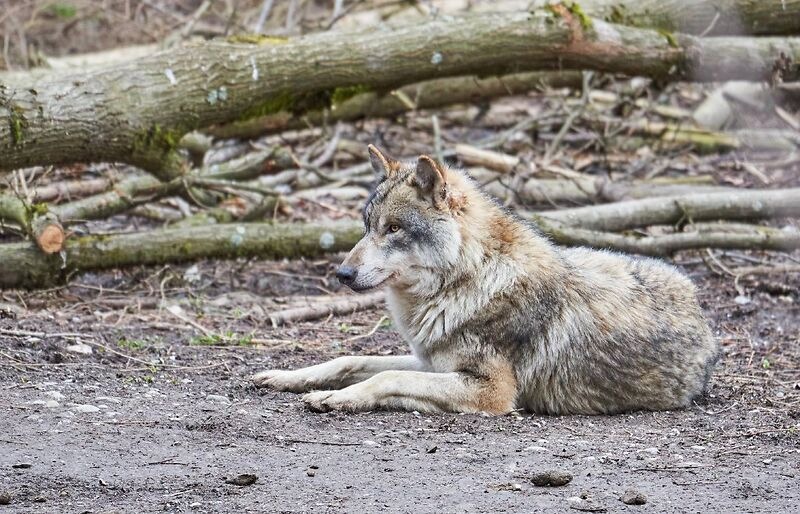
[{"x": 137, "y": 112}]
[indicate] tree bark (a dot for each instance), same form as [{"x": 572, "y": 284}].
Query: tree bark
[
  {"x": 584, "y": 190},
  {"x": 137, "y": 112},
  {"x": 69, "y": 190},
  {"x": 707, "y": 17},
  {"x": 13, "y": 210}
]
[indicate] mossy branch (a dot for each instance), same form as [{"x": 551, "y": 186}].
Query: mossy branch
[
  {"x": 24, "y": 266},
  {"x": 39, "y": 224},
  {"x": 424, "y": 95},
  {"x": 747, "y": 205}
]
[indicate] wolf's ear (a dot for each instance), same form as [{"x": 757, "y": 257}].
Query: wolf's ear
[
  {"x": 430, "y": 178},
  {"x": 381, "y": 163},
  {"x": 428, "y": 174}
]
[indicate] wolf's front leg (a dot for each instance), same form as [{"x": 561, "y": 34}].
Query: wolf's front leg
[
  {"x": 334, "y": 374},
  {"x": 422, "y": 391}
]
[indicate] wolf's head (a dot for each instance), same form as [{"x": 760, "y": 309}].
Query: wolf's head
[{"x": 412, "y": 224}]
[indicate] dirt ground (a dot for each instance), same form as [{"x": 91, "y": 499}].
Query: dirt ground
[{"x": 161, "y": 413}]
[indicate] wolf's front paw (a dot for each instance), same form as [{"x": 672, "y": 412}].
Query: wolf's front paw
[
  {"x": 324, "y": 401},
  {"x": 282, "y": 380}
]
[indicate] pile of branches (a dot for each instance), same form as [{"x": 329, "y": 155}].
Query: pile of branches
[{"x": 166, "y": 120}]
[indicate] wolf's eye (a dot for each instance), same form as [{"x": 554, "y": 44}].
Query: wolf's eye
[{"x": 394, "y": 228}]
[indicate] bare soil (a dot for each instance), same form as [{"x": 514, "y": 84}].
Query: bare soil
[{"x": 161, "y": 413}]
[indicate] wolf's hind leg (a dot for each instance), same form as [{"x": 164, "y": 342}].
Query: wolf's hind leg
[
  {"x": 335, "y": 374},
  {"x": 422, "y": 391}
]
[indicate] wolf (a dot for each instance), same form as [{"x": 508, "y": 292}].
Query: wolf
[{"x": 500, "y": 319}]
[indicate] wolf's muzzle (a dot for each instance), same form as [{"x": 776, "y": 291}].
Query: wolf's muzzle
[{"x": 346, "y": 275}]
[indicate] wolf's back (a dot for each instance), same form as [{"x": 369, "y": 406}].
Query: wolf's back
[{"x": 630, "y": 336}]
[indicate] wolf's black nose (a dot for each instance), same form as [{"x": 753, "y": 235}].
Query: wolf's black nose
[{"x": 346, "y": 274}]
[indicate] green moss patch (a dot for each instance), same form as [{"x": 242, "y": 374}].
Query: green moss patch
[
  {"x": 17, "y": 124},
  {"x": 671, "y": 41},
  {"x": 342, "y": 94},
  {"x": 574, "y": 9},
  {"x": 578, "y": 12},
  {"x": 157, "y": 140},
  {"x": 257, "y": 39}
]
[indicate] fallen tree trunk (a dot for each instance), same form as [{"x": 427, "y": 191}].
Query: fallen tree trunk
[
  {"x": 137, "y": 112},
  {"x": 743, "y": 205},
  {"x": 707, "y": 17},
  {"x": 25, "y": 266}
]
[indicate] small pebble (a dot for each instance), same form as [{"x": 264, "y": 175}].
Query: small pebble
[
  {"x": 218, "y": 398},
  {"x": 51, "y": 404},
  {"x": 510, "y": 486},
  {"x": 86, "y": 408},
  {"x": 633, "y": 497},
  {"x": 551, "y": 478},
  {"x": 585, "y": 504},
  {"x": 242, "y": 480},
  {"x": 81, "y": 348},
  {"x": 5, "y": 498}
]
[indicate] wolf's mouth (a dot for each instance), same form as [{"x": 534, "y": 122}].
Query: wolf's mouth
[{"x": 361, "y": 289}]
